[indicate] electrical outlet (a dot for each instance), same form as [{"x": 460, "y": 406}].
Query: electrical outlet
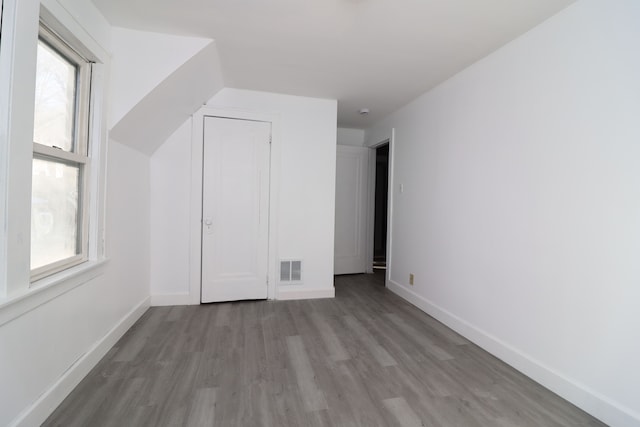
[{"x": 411, "y": 279}]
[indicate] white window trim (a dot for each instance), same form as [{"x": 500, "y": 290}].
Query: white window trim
[
  {"x": 79, "y": 154},
  {"x": 17, "y": 70},
  {"x": 45, "y": 152},
  {"x": 4, "y": 148},
  {"x": 72, "y": 54}
]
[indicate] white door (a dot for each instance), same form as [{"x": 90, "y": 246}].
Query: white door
[
  {"x": 351, "y": 214},
  {"x": 235, "y": 209}
]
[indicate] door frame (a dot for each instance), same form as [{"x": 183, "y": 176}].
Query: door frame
[
  {"x": 390, "y": 139},
  {"x": 195, "y": 221}
]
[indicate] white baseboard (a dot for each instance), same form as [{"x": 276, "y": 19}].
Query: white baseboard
[
  {"x": 37, "y": 413},
  {"x": 589, "y": 400},
  {"x": 284, "y": 293},
  {"x": 158, "y": 300},
  {"x": 293, "y": 292}
]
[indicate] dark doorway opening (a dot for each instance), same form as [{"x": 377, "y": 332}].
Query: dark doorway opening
[{"x": 380, "y": 209}]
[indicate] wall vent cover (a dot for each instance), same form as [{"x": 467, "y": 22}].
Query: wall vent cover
[{"x": 290, "y": 271}]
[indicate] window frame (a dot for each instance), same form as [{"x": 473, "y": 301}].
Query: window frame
[
  {"x": 18, "y": 45},
  {"x": 79, "y": 156}
]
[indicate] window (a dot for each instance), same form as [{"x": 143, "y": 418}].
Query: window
[
  {"x": 52, "y": 153},
  {"x": 60, "y": 168}
]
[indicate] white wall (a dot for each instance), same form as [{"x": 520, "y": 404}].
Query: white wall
[
  {"x": 520, "y": 216},
  {"x": 128, "y": 228},
  {"x": 305, "y": 203},
  {"x": 46, "y": 349},
  {"x": 170, "y": 203},
  {"x": 348, "y": 136}
]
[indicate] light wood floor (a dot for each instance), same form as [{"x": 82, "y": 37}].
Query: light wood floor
[{"x": 365, "y": 358}]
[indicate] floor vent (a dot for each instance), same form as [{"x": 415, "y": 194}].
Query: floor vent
[{"x": 291, "y": 271}]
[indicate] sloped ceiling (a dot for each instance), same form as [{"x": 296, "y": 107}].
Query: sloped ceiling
[
  {"x": 140, "y": 61},
  {"x": 161, "y": 111},
  {"x": 378, "y": 54}
]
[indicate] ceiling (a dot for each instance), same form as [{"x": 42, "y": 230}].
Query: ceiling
[{"x": 376, "y": 54}]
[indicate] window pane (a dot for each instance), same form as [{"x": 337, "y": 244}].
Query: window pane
[
  {"x": 54, "y": 212},
  {"x": 55, "y": 99}
]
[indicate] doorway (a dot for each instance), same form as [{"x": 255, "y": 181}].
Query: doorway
[
  {"x": 235, "y": 209},
  {"x": 381, "y": 191}
]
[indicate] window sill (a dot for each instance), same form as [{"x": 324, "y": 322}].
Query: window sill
[{"x": 49, "y": 288}]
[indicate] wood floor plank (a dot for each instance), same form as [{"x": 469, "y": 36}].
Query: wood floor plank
[
  {"x": 402, "y": 412},
  {"x": 427, "y": 344},
  {"x": 332, "y": 342},
  {"x": 312, "y": 396},
  {"x": 203, "y": 407},
  {"x": 379, "y": 353},
  {"x": 364, "y": 359}
]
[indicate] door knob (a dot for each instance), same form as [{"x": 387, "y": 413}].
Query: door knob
[{"x": 208, "y": 225}]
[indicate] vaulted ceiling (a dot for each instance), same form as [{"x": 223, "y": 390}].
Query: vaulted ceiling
[{"x": 376, "y": 54}]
